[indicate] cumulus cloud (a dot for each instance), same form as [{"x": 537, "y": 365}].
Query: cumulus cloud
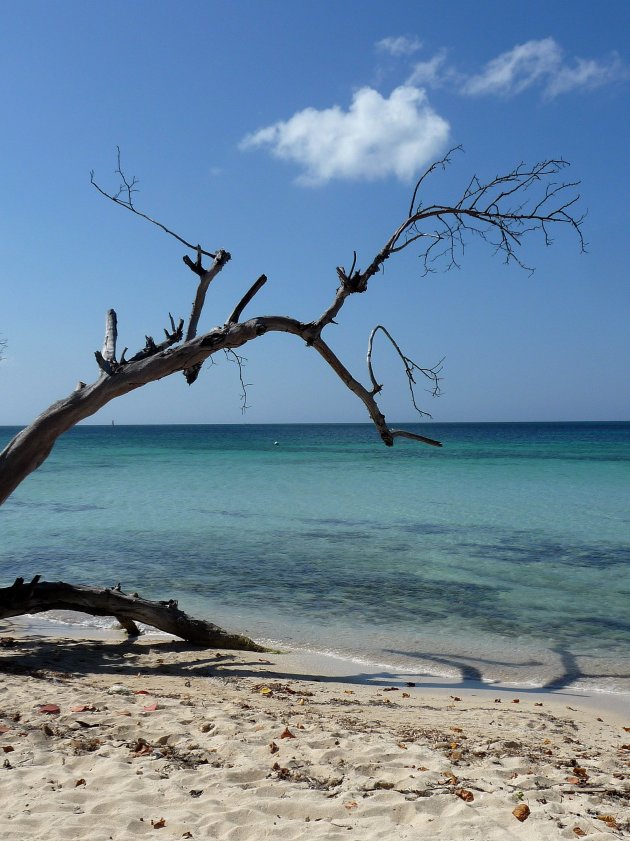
[
  {"x": 375, "y": 138},
  {"x": 402, "y": 45},
  {"x": 541, "y": 62}
]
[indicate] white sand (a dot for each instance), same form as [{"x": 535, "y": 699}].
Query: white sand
[{"x": 202, "y": 755}]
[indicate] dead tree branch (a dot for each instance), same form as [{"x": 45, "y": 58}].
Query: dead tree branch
[
  {"x": 129, "y": 187},
  {"x": 205, "y": 279},
  {"x": 411, "y": 368},
  {"x": 220, "y": 259},
  {"x": 503, "y": 212},
  {"x": 111, "y": 335},
  {"x": 247, "y": 297},
  {"x": 240, "y": 361}
]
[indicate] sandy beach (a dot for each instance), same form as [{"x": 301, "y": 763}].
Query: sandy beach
[{"x": 109, "y": 739}]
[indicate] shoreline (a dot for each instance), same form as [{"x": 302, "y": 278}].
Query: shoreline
[
  {"x": 325, "y": 666},
  {"x": 110, "y": 738}
]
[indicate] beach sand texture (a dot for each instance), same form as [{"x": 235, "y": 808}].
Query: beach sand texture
[{"x": 110, "y": 740}]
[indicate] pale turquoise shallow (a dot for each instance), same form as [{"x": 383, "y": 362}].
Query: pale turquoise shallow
[{"x": 503, "y": 556}]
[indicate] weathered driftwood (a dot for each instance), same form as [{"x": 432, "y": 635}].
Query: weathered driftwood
[{"x": 36, "y": 596}]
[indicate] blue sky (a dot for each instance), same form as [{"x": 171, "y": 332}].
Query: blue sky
[{"x": 290, "y": 134}]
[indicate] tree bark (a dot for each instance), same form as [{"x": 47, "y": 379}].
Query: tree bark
[{"x": 36, "y": 596}]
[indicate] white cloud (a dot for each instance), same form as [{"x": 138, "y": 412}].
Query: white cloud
[
  {"x": 541, "y": 63},
  {"x": 402, "y": 45},
  {"x": 535, "y": 63},
  {"x": 375, "y": 138},
  {"x": 514, "y": 71},
  {"x": 588, "y": 74},
  {"x": 432, "y": 73}
]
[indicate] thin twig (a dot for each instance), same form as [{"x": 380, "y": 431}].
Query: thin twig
[
  {"x": 410, "y": 366},
  {"x": 129, "y": 186},
  {"x": 241, "y": 361}
]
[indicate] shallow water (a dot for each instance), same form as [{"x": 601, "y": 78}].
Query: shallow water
[{"x": 503, "y": 556}]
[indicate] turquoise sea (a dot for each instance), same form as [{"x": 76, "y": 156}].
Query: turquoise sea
[{"x": 504, "y": 556}]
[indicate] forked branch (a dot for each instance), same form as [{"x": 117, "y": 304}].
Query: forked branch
[
  {"x": 502, "y": 212},
  {"x": 411, "y": 369}
]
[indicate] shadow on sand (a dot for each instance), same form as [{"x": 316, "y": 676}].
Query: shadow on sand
[{"x": 39, "y": 656}]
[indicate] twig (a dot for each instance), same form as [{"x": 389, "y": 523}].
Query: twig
[
  {"x": 130, "y": 187},
  {"x": 411, "y": 367},
  {"x": 232, "y": 356}
]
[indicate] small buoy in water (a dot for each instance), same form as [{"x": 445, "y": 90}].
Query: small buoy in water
[{"x": 275, "y": 443}]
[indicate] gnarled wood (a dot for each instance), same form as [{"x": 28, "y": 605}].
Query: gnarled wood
[{"x": 36, "y": 596}]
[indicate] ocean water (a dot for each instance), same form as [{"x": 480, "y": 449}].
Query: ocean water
[{"x": 504, "y": 556}]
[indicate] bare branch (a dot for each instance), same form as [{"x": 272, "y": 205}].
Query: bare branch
[
  {"x": 108, "y": 363},
  {"x": 411, "y": 368},
  {"x": 501, "y": 212},
  {"x": 106, "y": 367},
  {"x": 367, "y": 397},
  {"x": 129, "y": 187},
  {"x": 441, "y": 164},
  {"x": 232, "y": 356},
  {"x": 220, "y": 259},
  {"x": 151, "y": 348},
  {"x": 247, "y": 297},
  {"x": 32, "y": 445},
  {"x": 111, "y": 335},
  {"x": 414, "y": 436},
  {"x": 197, "y": 266}
]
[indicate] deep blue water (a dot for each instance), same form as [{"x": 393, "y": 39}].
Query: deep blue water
[{"x": 505, "y": 554}]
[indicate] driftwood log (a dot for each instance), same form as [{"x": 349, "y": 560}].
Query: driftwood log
[{"x": 36, "y": 596}]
